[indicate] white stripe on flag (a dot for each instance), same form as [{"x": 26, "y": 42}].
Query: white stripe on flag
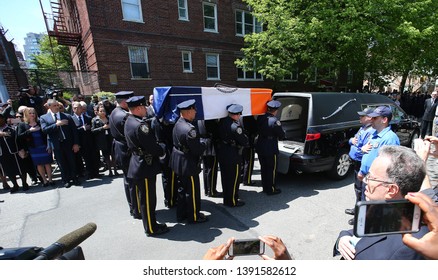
[{"x": 215, "y": 102}]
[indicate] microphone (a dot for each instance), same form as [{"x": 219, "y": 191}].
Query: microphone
[{"x": 67, "y": 243}]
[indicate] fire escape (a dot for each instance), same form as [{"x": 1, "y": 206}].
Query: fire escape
[{"x": 63, "y": 23}]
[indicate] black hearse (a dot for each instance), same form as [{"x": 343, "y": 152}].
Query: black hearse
[{"x": 319, "y": 125}]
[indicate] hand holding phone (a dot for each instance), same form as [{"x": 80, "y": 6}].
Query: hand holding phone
[
  {"x": 245, "y": 247},
  {"x": 382, "y": 217}
]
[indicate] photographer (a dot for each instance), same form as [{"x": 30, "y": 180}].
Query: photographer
[
  {"x": 395, "y": 172},
  {"x": 274, "y": 242}
]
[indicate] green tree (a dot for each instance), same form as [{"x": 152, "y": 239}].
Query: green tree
[
  {"x": 379, "y": 37},
  {"x": 52, "y": 58}
]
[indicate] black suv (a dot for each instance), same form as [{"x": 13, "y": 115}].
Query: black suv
[{"x": 319, "y": 125}]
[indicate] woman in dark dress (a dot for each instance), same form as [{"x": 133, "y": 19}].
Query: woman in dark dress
[
  {"x": 100, "y": 127},
  {"x": 35, "y": 141}
]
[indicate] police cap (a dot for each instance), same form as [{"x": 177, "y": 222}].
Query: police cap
[
  {"x": 273, "y": 104},
  {"x": 381, "y": 111},
  {"x": 365, "y": 111},
  {"x": 187, "y": 105},
  {"x": 235, "y": 109},
  {"x": 124, "y": 94},
  {"x": 136, "y": 101},
  {"x": 24, "y": 89}
]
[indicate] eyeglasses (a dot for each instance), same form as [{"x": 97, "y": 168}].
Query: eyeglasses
[{"x": 367, "y": 179}]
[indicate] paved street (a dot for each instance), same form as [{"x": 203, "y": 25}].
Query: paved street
[{"x": 307, "y": 215}]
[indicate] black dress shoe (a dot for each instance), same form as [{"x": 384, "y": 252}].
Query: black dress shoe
[
  {"x": 26, "y": 187},
  {"x": 276, "y": 191},
  {"x": 349, "y": 211},
  {"x": 160, "y": 229},
  {"x": 45, "y": 185},
  {"x": 200, "y": 219},
  {"x": 216, "y": 194},
  {"x": 52, "y": 183},
  {"x": 351, "y": 222},
  {"x": 249, "y": 184},
  {"x": 76, "y": 182},
  {"x": 14, "y": 189}
]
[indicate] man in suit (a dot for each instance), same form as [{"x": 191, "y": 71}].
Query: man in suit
[
  {"x": 62, "y": 133},
  {"x": 89, "y": 151},
  {"x": 395, "y": 172},
  {"x": 429, "y": 114}
]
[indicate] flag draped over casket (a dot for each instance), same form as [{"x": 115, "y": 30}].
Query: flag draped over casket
[{"x": 211, "y": 102}]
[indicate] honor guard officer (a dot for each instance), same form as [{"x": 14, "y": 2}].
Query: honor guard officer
[
  {"x": 144, "y": 164},
  {"x": 270, "y": 131},
  {"x": 232, "y": 141},
  {"x": 185, "y": 161},
  {"x": 117, "y": 121}
]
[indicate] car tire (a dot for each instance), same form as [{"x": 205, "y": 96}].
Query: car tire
[{"x": 341, "y": 166}]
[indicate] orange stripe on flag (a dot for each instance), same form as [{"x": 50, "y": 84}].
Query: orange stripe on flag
[{"x": 259, "y": 97}]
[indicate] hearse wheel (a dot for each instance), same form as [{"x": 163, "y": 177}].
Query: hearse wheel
[{"x": 341, "y": 166}]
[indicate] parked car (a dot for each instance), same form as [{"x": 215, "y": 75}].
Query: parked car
[{"x": 319, "y": 125}]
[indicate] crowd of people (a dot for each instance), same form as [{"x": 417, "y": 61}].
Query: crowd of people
[{"x": 71, "y": 134}]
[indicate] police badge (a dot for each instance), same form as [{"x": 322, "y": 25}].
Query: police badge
[
  {"x": 144, "y": 128},
  {"x": 239, "y": 130},
  {"x": 192, "y": 133},
  {"x": 278, "y": 123}
]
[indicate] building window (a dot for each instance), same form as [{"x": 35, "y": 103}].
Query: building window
[
  {"x": 132, "y": 10},
  {"x": 213, "y": 68},
  {"x": 187, "y": 61},
  {"x": 210, "y": 17},
  {"x": 293, "y": 76},
  {"x": 138, "y": 58},
  {"x": 246, "y": 23},
  {"x": 350, "y": 76},
  {"x": 242, "y": 74},
  {"x": 182, "y": 10}
]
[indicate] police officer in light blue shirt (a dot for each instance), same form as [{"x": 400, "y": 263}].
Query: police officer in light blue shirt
[
  {"x": 383, "y": 135},
  {"x": 356, "y": 143}
]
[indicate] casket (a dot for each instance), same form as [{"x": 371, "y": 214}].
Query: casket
[{"x": 211, "y": 102}]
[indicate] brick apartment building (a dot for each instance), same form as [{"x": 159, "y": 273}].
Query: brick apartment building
[
  {"x": 12, "y": 77},
  {"x": 141, "y": 44}
]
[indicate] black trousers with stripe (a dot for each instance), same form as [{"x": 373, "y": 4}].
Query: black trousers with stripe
[
  {"x": 268, "y": 168},
  {"x": 189, "y": 198},
  {"x": 230, "y": 177},
  {"x": 147, "y": 201}
]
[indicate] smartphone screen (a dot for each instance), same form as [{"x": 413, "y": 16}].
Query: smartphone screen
[
  {"x": 386, "y": 217},
  {"x": 242, "y": 247}
]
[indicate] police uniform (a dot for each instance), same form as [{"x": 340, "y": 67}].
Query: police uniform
[
  {"x": 163, "y": 132},
  {"x": 209, "y": 133},
  {"x": 121, "y": 154},
  {"x": 144, "y": 165},
  {"x": 249, "y": 125},
  {"x": 270, "y": 131},
  {"x": 232, "y": 142},
  {"x": 185, "y": 161}
]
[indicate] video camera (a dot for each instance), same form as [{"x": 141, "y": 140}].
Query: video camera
[{"x": 66, "y": 248}]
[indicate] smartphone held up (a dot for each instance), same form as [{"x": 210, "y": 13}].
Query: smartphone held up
[
  {"x": 382, "y": 217},
  {"x": 244, "y": 247}
]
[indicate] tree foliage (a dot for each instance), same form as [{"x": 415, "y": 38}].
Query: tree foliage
[
  {"x": 58, "y": 59},
  {"x": 379, "y": 37}
]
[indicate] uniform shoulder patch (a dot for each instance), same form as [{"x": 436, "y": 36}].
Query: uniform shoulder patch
[
  {"x": 192, "y": 133},
  {"x": 278, "y": 123},
  {"x": 239, "y": 130},
  {"x": 144, "y": 128}
]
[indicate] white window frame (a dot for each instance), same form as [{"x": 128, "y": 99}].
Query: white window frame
[
  {"x": 217, "y": 66},
  {"x": 130, "y": 3},
  {"x": 293, "y": 77},
  {"x": 144, "y": 58},
  {"x": 257, "y": 26},
  {"x": 189, "y": 61},
  {"x": 184, "y": 8},
  {"x": 215, "y": 16},
  {"x": 255, "y": 76}
]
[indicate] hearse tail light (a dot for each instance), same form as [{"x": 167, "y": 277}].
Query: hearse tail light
[{"x": 313, "y": 136}]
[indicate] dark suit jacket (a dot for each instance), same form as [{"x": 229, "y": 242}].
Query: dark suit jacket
[
  {"x": 49, "y": 127},
  {"x": 25, "y": 136},
  {"x": 429, "y": 109},
  {"x": 85, "y": 136},
  {"x": 386, "y": 247}
]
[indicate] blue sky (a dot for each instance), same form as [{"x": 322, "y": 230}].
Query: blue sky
[{"x": 20, "y": 17}]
